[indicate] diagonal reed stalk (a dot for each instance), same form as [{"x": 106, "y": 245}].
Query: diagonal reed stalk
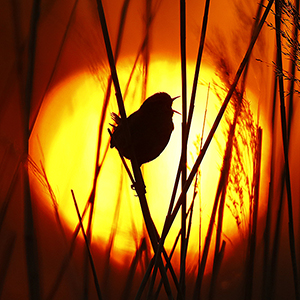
[
  {"x": 139, "y": 184},
  {"x": 97, "y": 286},
  {"x": 219, "y": 251},
  {"x": 285, "y": 148},
  {"x": 170, "y": 218},
  {"x": 66, "y": 259},
  {"x": 100, "y": 132},
  {"x": 147, "y": 274},
  {"x": 54, "y": 66},
  {"x": 185, "y": 125}
]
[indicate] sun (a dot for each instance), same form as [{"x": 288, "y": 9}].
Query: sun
[{"x": 65, "y": 140}]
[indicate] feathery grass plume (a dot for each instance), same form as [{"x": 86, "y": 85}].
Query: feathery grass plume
[
  {"x": 240, "y": 177},
  {"x": 40, "y": 174},
  {"x": 240, "y": 137},
  {"x": 170, "y": 219}
]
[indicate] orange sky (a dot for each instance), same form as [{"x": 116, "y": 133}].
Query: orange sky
[{"x": 65, "y": 134}]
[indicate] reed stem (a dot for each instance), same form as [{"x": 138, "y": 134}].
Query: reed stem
[
  {"x": 183, "y": 142},
  {"x": 139, "y": 185},
  {"x": 285, "y": 148},
  {"x": 97, "y": 286}
]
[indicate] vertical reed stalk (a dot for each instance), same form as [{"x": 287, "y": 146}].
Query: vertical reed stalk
[
  {"x": 198, "y": 64},
  {"x": 193, "y": 97},
  {"x": 183, "y": 142},
  {"x": 252, "y": 233},
  {"x": 199, "y": 174},
  {"x": 31, "y": 247},
  {"x": 146, "y": 50},
  {"x": 285, "y": 148},
  {"x": 267, "y": 233}
]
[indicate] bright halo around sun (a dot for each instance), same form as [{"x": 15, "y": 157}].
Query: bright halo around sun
[{"x": 65, "y": 141}]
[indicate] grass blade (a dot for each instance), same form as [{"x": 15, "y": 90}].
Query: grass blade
[{"x": 88, "y": 248}]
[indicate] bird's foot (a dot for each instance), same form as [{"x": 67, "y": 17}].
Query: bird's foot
[{"x": 134, "y": 185}]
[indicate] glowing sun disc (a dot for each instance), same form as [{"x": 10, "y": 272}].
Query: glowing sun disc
[{"x": 65, "y": 139}]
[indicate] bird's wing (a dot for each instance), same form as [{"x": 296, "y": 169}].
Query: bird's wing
[{"x": 116, "y": 118}]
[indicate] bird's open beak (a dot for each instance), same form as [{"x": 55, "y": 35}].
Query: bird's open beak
[{"x": 175, "y": 111}]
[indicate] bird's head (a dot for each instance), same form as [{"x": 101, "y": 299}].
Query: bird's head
[{"x": 160, "y": 101}]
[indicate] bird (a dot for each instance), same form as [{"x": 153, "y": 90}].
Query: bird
[{"x": 150, "y": 129}]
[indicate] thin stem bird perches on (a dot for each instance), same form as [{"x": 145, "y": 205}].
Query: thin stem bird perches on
[{"x": 139, "y": 182}]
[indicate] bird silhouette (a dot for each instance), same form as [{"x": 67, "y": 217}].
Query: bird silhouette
[{"x": 150, "y": 129}]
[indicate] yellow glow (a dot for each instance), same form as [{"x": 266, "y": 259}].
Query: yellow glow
[{"x": 67, "y": 129}]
